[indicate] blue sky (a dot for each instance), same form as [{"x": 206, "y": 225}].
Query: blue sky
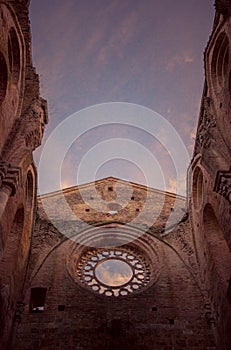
[{"x": 145, "y": 52}]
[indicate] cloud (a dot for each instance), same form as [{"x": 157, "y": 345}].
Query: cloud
[
  {"x": 177, "y": 185},
  {"x": 188, "y": 59},
  {"x": 113, "y": 272},
  {"x": 121, "y": 51},
  {"x": 177, "y": 60}
]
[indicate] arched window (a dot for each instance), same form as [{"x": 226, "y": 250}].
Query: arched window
[
  {"x": 220, "y": 60},
  {"x": 29, "y": 190}
]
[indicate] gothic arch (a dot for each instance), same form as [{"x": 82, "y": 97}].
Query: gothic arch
[
  {"x": 8, "y": 259},
  {"x": 220, "y": 61},
  {"x": 4, "y": 77},
  {"x": 197, "y": 187},
  {"x": 30, "y": 189},
  {"x": 14, "y": 55},
  {"x": 218, "y": 254}
]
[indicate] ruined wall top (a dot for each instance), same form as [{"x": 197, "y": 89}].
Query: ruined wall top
[{"x": 223, "y": 7}]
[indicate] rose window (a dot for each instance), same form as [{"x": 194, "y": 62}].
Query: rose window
[{"x": 113, "y": 272}]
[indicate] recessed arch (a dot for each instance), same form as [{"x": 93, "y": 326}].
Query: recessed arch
[
  {"x": 197, "y": 190},
  {"x": 14, "y": 55},
  {"x": 220, "y": 60},
  {"x": 3, "y": 77},
  {"x": 29, "y": 189},
  {"x": 219, "y": 256},
  {"x": 230, "y": 83},
  {"x": 14, "y": 236}
]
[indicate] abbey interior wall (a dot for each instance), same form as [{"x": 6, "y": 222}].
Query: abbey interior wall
[
  {"x": 210, "y": 175},
  {"x": 22, "y": 116},
  {"x": 168, "y": 312},
  {"x": 187, "y": 305}
]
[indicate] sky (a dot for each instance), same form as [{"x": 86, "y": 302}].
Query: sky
[{"x": 144, "y": 53}]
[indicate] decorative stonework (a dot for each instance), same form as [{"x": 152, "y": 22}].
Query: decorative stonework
[
  {"x": 223, "y": 184},
  {"x": 3, "y": 170},
  {"x": 209, "y": 314},
  {"x": 113, "y": 272},
  {"x": 92, "y": 272},
  {"x": 181, "y": 242},
  {"x": 27, "y": 132},
  {"x": 207, "y": 123},
  {"x": 35, "y": 123},
  {"x": 10, "y": 176}
]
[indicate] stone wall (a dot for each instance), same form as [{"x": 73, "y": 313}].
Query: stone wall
[
  {"x": 166, "y": 310},
  {"x": 211, "y": 176},
  {"x": 23, "y": 115}
]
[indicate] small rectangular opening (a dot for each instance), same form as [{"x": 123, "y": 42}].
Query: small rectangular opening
[
  {"x": 37, "y": 299},
  {"x": 171, "y": 321},
  {"x": 116, "y": 327},
  {"x": 61, "y": 307}
]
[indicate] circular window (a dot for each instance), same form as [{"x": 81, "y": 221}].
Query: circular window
[
  {"x": 113, "y": 272},
  {"x": 3, "y": 78},
  {"x": 14, "y": 55}
]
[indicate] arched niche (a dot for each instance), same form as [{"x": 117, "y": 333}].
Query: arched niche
[
  {"x": 14, "y": 55},
  {"x": 3, "y": 77},
  {"x": 220, "y": 61},
  {"x": 29, "y": 189},
  {"x": 29, "y": 206},
  {"x": 197, "y": 188}
]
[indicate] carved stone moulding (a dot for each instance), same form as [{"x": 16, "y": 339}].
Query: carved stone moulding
[
  {"x": 35, "y": 121},
  {"x": 3, "y": 170},
  {"x": 207, "y": 123},
  {"x": 10, "y": 176},
  {"x": 223, "y": 184}
]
